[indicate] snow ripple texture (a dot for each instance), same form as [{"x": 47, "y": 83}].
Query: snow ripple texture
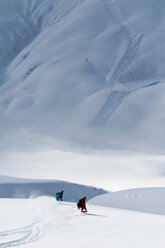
[{"x": 27, "y": 234}]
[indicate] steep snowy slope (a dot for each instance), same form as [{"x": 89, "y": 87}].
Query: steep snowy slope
[{"x": 94, "y": 68}]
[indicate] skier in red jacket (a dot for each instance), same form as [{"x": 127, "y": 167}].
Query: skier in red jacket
[{"x": 82, "y": 204}]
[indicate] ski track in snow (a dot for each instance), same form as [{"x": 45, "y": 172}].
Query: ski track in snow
[
  {"x": 127, "y": 58},
  {"x": 29, "y": 233},
  {"x": 116, "y": 97},
  {"x": 111, "y": 104},
  {"x": 113, "y": 10},
  {"x": 134, "y": 41}
]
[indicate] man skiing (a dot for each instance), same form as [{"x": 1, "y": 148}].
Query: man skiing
[
  {"x": 82, "y": 204},
  {"x": 59, "y": 195}
]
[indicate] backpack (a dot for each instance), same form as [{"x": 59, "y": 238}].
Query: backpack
[
  {"x": 79, "y": 203},
  {"x": 58, "y": 196}
]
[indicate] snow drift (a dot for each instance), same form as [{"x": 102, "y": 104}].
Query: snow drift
[
  {"x": 26, "y": 188},
  {"x": 148, "y": 200}
]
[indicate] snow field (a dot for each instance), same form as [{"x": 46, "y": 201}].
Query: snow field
[{"x": 44, "y": 222}]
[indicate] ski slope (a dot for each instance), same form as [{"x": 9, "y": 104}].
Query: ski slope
[
  {"x": 43, "y": 222},
  {"x": 134, "y": 217}
]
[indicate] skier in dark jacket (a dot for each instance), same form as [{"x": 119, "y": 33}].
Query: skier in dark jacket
[
  {"x": 82, "y": 204},
  {"x": 59, "y": 195}
]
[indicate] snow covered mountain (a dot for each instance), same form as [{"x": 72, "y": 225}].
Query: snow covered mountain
[
  {"x": 84, "y": 72},
  {"x": 82, "y": 102}
]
